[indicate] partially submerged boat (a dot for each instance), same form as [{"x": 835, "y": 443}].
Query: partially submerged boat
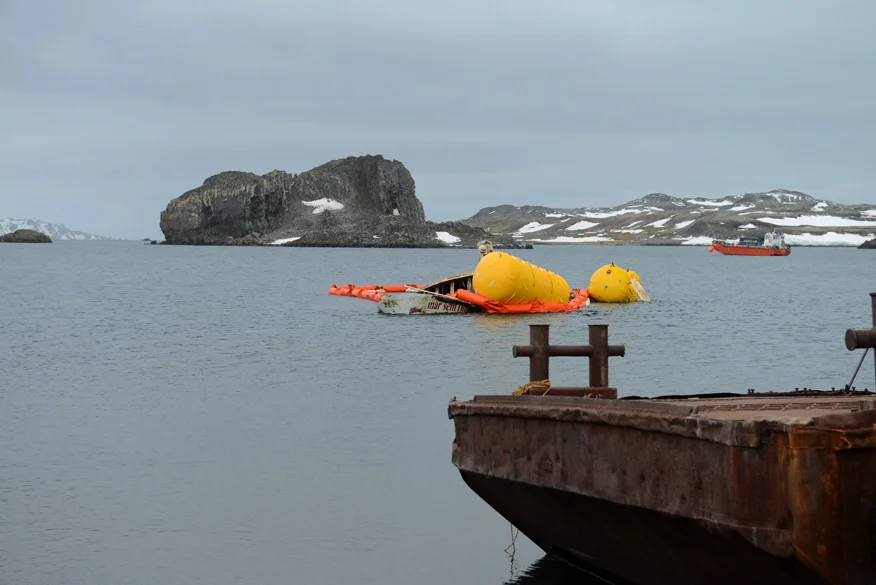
[
  {"x": 437, "y": 298},
  {"x": 448, "y": 296},
  {"x": 501, "y": 283},
  {"x": 772, "y": 244}
]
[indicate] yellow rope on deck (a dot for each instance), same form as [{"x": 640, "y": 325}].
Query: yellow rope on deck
[{"x": 541, "y": 385}]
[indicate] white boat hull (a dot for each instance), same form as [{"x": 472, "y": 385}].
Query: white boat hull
[{"x": 423, "y": 304}]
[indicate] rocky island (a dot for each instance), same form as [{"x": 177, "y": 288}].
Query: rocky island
[
  {"x": 868, "y": 245},
  {"x": 363, "y": 201},
  {"x": 26, "y": 237}
]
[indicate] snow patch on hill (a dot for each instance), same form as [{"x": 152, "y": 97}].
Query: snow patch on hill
[
  {"x": 816, "y": 221},
  {"x": 534, "y": 226},
  {"x": 583, "y": 225},
  {"x": 828, "y": 239}
]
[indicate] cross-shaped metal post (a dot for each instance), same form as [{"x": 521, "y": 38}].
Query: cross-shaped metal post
[{"x": 539, "y": 351}]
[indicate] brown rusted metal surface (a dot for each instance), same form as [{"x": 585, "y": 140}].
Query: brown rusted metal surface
[
  {"x": 796, "y": 393},
  {"x": 860, "y": 339},
  {"x": 759, "y": 488},
  {"x": 578, "y": 391},
  {"x": 738, "y": 422},
  {"x": 539, "y": 351},
  {"x": 794, "y": 495},
  {"x": 641, "y": 545}
]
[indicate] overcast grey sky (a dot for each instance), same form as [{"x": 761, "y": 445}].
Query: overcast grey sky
[{"x": 108, "y": 109}]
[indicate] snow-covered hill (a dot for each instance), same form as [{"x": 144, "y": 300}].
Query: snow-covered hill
[
  {"x": 56, "y": 231},
  {"x": 661, "y": 219}
]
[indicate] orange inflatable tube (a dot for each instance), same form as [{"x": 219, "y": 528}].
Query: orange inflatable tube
[
  {"x": 491, "y": 306},
  {"x": 373, "y": 292}
]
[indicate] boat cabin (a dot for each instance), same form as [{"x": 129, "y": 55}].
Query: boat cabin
[
  {"x": 451, "y": 284},
  {"x": 774, "y": 240},
  {"x": 770, "y": 240}
]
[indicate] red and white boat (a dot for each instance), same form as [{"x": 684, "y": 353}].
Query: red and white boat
[{"x": 773, "y": 244}]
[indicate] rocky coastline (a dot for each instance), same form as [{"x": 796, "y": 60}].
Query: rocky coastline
[{"x": 659, "y": 219}]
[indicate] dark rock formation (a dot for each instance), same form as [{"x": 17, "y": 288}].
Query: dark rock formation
[
  {"x": 26, "y": 237},
  {"x": 868, "y": 245},
  {"x": 227, "y": 206},
  {"x": 364, "y": 201}
]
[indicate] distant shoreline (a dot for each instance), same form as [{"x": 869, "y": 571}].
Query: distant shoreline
[
  {"x": 440, "y": 247},
  {"x": 431, "y": 246}
]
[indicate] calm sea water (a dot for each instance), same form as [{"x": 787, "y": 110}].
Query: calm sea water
[{"x": 188, "y": 415}]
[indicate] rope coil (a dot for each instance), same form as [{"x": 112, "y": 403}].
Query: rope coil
[{"x": 538, "y": 385}]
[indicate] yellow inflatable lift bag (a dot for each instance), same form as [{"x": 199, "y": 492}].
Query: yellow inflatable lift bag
[
  {"x": 507, "y": 279},
  {"x": 613, "y": 284}
]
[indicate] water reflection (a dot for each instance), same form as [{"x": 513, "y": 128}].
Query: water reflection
[
  {"x": 598, "y": 312},
  {"x": 551, "y": 570},
  {"x": 490, "y": 322}
]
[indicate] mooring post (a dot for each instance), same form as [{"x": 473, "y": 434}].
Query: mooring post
[
  {"x": 539, "y": 351},
  {"x": 536, "y": 351},
  {"x": 863, "y": 339},
  {"x": 601, "y": 352}
]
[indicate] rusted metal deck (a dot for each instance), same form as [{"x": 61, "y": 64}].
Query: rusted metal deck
[
  {"x": 788, "y": 409},
  {"x": 758, "y": 488}
]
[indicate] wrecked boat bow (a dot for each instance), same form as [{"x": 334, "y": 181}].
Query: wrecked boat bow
[{"x": 431, "y": 299}]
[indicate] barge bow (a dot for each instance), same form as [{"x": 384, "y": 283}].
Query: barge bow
[{"x": 767, "y": 488}]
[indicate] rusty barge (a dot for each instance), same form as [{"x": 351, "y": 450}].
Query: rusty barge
[{"x": 712, "y": 489}]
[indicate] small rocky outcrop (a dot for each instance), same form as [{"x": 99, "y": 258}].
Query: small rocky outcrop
[
  {"x": 26, "y": 237},
  {"x": 868, "y": 245},
  {"x": 56, "y": 231}
]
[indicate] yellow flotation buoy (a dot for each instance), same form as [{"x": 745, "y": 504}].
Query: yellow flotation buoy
[
  {"x": 507, "y": 279},
  {"x": 613, "y": 284}
]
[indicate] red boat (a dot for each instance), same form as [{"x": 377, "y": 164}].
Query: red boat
[{"x": 773, "y": 244}]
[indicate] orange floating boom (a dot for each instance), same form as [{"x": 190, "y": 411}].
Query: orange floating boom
[
  {"x": 375, "y": 293},
  {"x": 372, "y": 292}
]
